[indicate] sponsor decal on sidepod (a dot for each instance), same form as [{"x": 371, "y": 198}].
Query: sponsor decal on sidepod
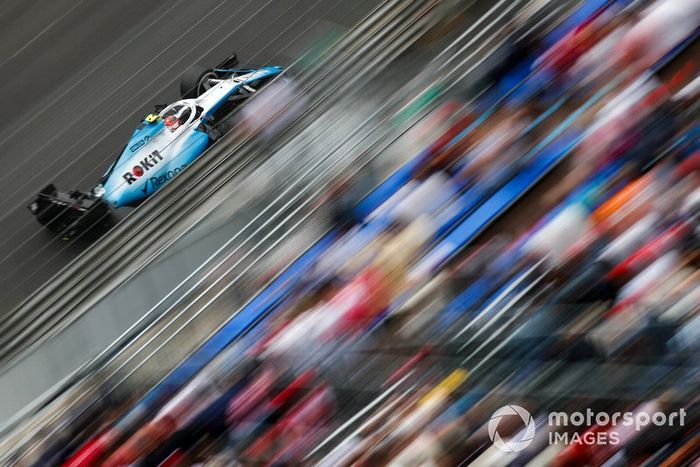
[
  {"x": 162, "y": 179},
  {"x": 144, "y": 166}
]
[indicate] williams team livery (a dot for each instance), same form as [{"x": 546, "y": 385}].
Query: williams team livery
[{"x": 162, "y": 146}]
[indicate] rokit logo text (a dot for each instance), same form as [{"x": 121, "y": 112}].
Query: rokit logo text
[{"x": 144, "y": 166}]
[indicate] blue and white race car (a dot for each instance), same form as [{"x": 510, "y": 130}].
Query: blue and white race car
[{"x": 162, "y": 145}]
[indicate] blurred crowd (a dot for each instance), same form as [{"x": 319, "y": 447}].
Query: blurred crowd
[{"x": 403, "y": 340}]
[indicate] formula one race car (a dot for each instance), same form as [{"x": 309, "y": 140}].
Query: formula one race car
[{"x": 162, "y": 145}]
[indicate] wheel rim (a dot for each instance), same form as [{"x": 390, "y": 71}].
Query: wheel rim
[{"x": 204, "y": 85}]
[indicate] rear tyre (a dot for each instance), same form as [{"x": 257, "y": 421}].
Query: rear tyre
[{"x": 193, "y": 81}]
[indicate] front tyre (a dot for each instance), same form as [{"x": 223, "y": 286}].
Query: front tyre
[{"x": 195, "y": 81}]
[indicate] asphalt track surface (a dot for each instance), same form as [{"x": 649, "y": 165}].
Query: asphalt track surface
[{"x": 76, "y": 76}]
